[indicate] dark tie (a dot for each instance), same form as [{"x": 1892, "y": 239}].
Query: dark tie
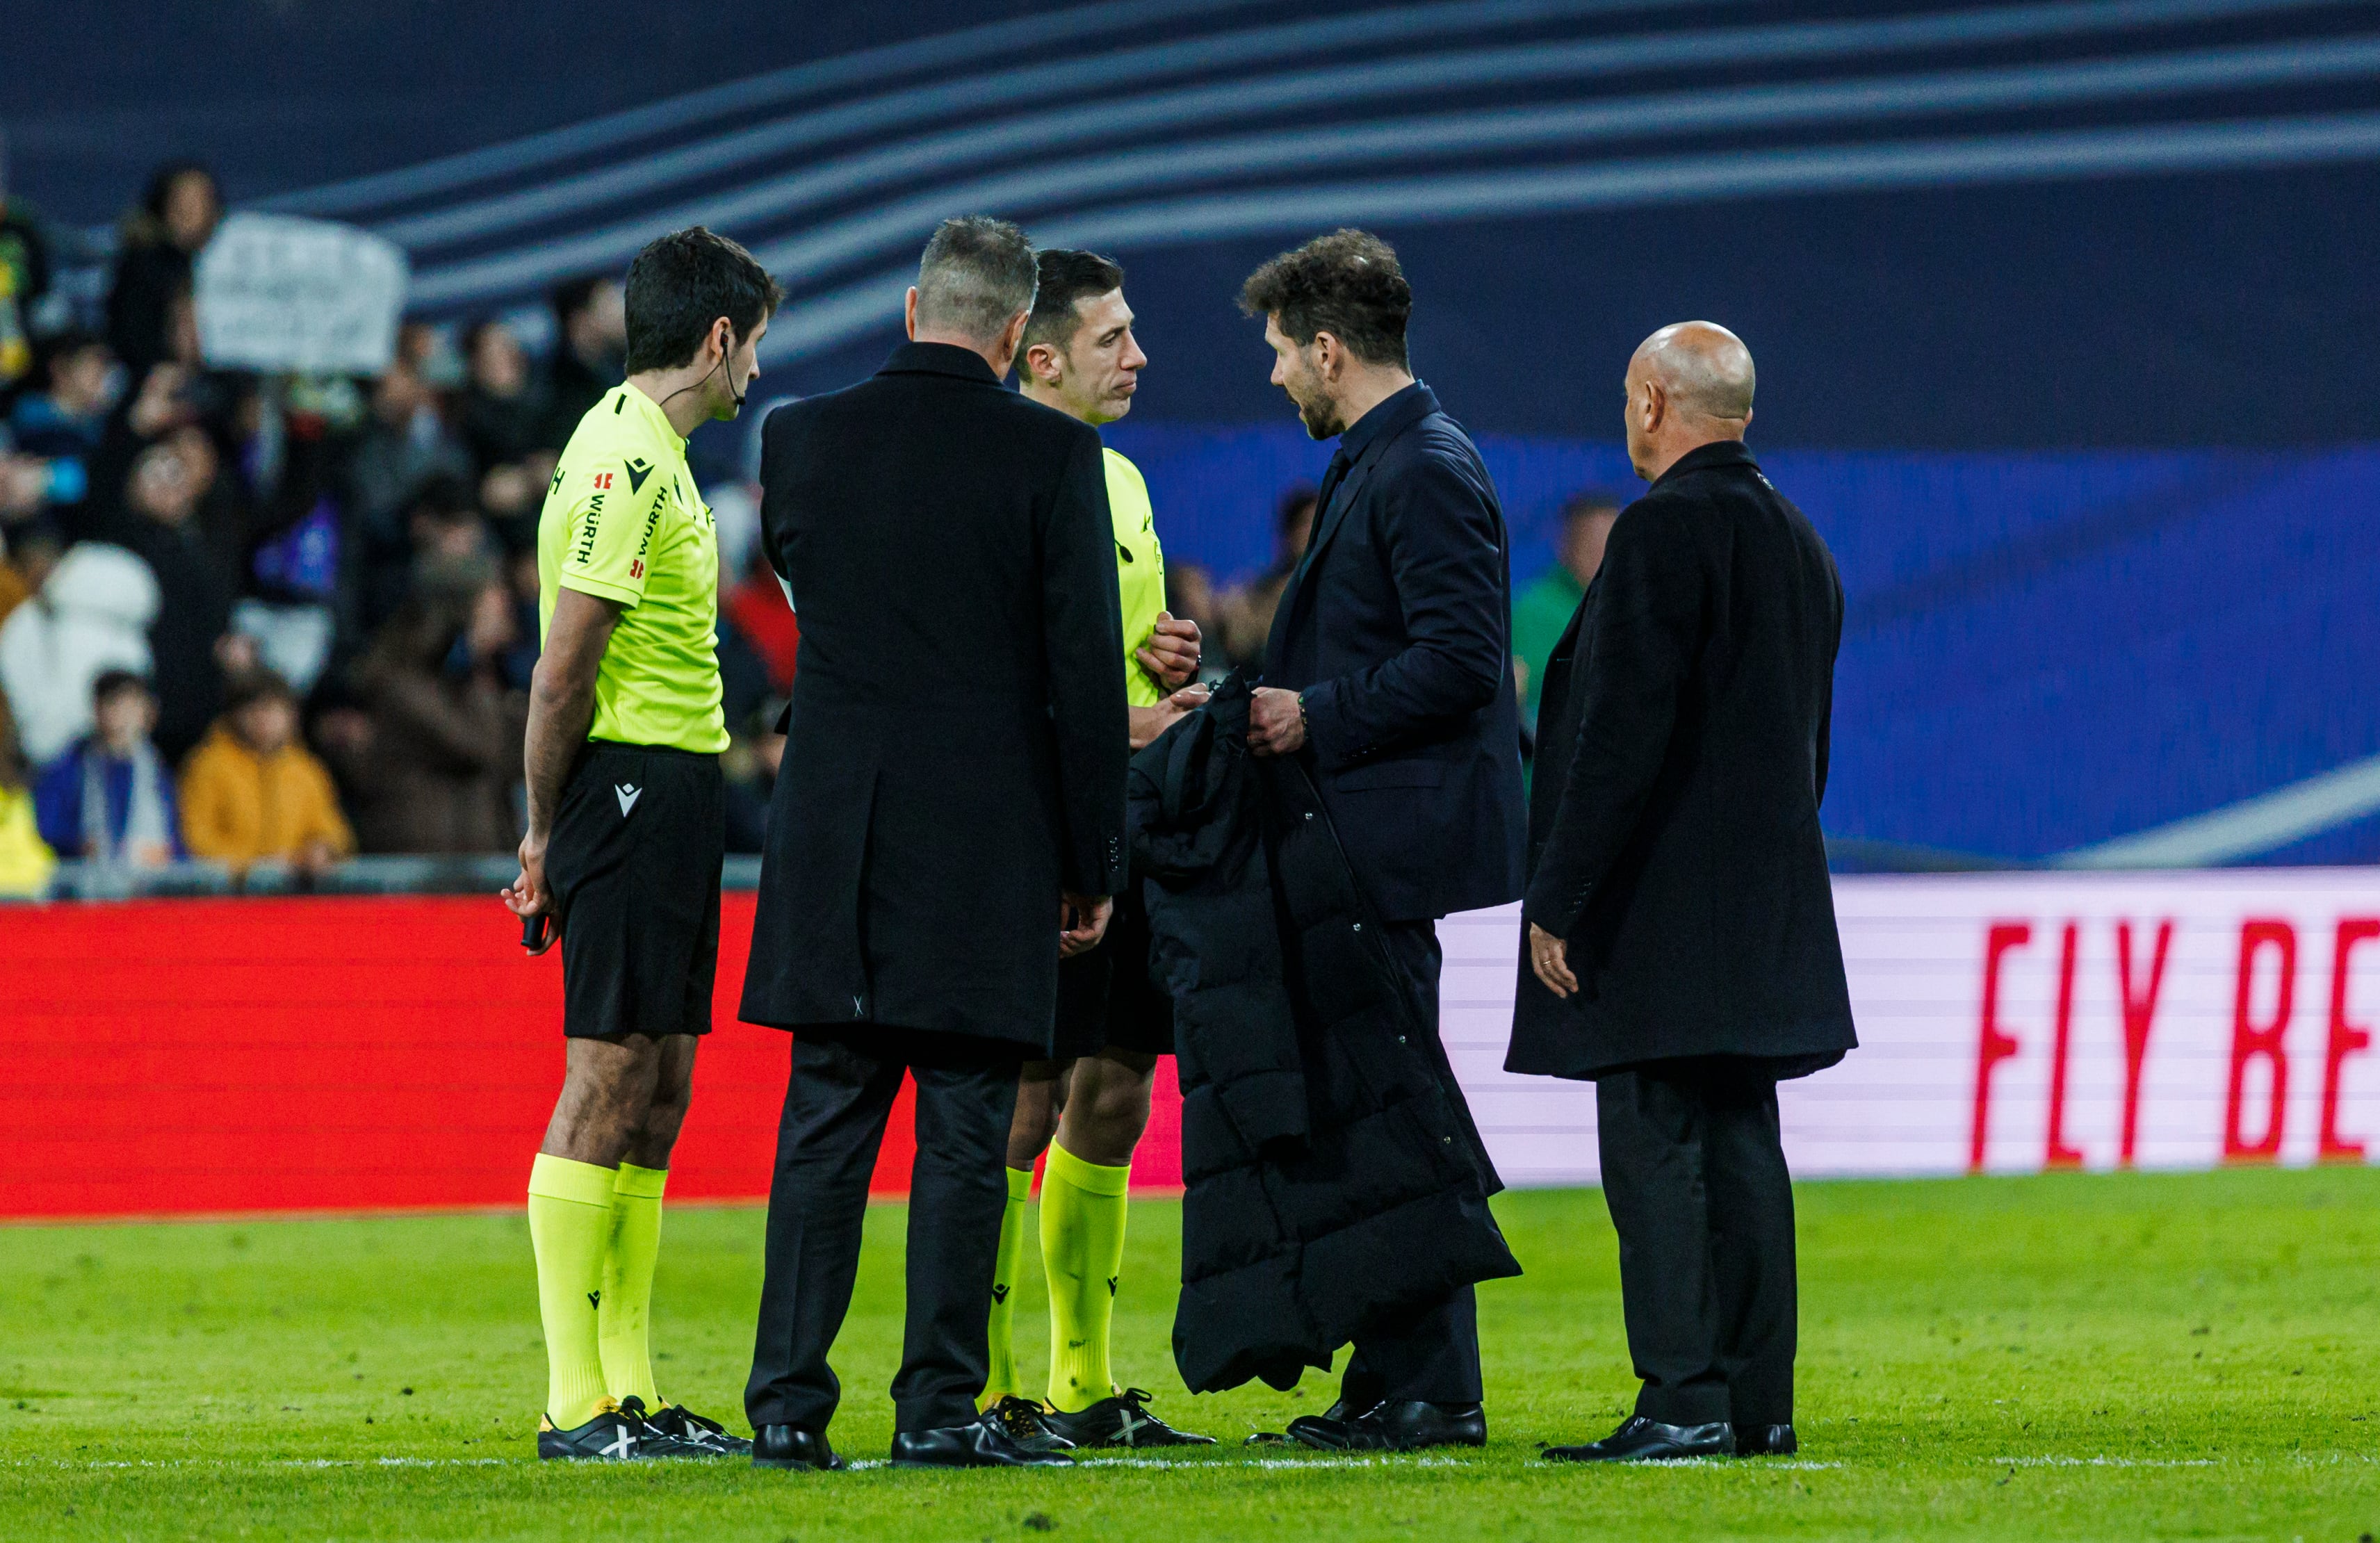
[{"x": 1331, "y": 478}]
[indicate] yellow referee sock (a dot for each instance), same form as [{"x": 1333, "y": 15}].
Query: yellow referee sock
[
  {"x": 626, "y": 1316},
  {"x": 570, "y": 1225},
  {"x": 1001, "y": 1382},
  {"x": 1082, "y": 1209}
]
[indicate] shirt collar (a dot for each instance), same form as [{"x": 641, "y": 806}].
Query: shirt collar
[
  {"x": 650, "y": 411},
  {"x": 1390, "y": 413}
]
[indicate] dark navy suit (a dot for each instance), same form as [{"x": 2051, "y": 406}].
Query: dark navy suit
[{"x": 1396, "y": 628}]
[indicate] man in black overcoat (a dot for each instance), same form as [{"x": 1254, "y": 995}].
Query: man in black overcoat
[
  {"x": 1680, "y": 945},
  {"x": 949, "y": 817},
  {"x": 1390, "y": 672}
]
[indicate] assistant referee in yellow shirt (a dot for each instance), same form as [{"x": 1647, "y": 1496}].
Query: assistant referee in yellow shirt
[
  {"x": 1088, "y": 1106},
  {"x": 626, "y": 831}
]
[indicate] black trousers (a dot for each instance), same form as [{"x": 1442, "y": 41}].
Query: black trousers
[
  {"x": 1694, "y": 1174},
  {"x": 837, "y": 1104},
  {"x": 1433, "y": 1355}
]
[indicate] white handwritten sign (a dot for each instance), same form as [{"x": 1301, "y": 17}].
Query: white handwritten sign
[{"x": 279, "y": 293}]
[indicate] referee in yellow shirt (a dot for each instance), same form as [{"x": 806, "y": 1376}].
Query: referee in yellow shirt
[
  {"x": 626, "y": 833},
  {"x": 1078, "y": 356}
]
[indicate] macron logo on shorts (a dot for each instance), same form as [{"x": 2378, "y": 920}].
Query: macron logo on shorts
[{"x": 628, "y": 795}]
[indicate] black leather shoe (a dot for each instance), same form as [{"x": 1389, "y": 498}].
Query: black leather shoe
[
  {"x": 1766, "y": 1440},
  {"x": 980, "y": 1443},
  {"x": 1639, "y": 1439},
  {"x": 1406, "y": 1425},
  {"x": 792, "y": 1446}
]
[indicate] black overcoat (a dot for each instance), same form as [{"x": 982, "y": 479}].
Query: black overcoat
[
  {"x": 957, "y": 739},
  {"x": 1333, "y": 1181},
  {"x": 1682, "y": 756},
  {"x": 1396, "y": 627}
]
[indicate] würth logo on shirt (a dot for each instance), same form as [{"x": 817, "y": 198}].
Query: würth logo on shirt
[
  {"x": 635, "y": 568},
  {"x": 603, "y": 479}
]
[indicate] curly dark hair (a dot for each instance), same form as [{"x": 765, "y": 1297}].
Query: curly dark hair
[
  {"x": 682, "y": 283},
  {"x": 1346, "y": 283}
]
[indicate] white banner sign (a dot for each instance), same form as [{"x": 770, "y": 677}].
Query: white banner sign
[
  {"x": 2019, "y": 1023},
  {"x": 278, "y": 293}
]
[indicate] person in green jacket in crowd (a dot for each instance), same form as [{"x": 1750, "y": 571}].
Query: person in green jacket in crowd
[{"x": 1544, "y": 609}]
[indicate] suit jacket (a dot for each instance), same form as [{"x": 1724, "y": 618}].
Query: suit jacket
[
  {"x": 957, "y": 739},
  {"x": 1396, "y": 627},
  {"x": 1681, "y": 757}
]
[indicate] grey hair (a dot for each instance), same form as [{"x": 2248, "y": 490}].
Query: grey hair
[{"x": 977, "y": 275}]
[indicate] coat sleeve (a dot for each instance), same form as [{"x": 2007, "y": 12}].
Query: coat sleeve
[
  {"x": 1445, "y": 548},
  {"x": 1647, "y": 630},
  {"x": 1083, "y": 647},
  {"x": 1826, "y": 700}
]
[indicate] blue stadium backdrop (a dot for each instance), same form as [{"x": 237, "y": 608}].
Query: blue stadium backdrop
[{"x": 2064, "y": 309}]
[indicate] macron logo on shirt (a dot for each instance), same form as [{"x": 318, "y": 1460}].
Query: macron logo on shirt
[{"x": 627, "y": 795}]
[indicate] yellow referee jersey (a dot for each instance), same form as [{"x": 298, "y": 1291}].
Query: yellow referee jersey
[
  {"x": 1140, "y": 572},
  {"x": 624, "y": 521}
]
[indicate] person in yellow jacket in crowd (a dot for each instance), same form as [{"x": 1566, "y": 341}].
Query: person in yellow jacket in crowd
[
  {"x": 26, "y": 860},
  {"x": 252, "y": 791}
]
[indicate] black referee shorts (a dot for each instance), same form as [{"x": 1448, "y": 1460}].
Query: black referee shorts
[
  {"x": 634, "y": 865},
  {"x": 1106, "y": 1000}
]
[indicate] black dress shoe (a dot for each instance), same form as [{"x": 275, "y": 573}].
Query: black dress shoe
[
  {"x": 1766, "y": 1440},
  {"x": 792, "y": 1446},
  {"x": 980, "y": 1443},
  {"x": 1399, "y": 1425},
  {"x": 1639, "y": 1439}
]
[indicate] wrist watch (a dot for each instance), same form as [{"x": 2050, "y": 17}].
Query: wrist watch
[{"x": 1301, "y": 712}]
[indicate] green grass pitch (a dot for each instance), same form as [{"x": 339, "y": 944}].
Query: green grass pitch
[{"x": 2115, "y": 1357}]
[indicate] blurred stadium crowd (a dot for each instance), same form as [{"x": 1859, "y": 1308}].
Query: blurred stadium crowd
[{"x": 248, "y": 618}]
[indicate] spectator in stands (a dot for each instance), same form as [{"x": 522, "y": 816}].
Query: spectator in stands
[
  {"x": 65, "y": 421},
  {"x": 446, "y": 729},
  {"x": 190, "y": 639},
  {"x": 26, "y": 860},
  {"x": 251, "y": 791},
  {"x": 110, "y": 799},
  {"x": 756, "y": 610},
  {"x": 503, "y": 406},
  {"x": 1543, "y": 611},
  {"x": 160, "y": 244},
  {"x": 408, "y": 446},
  {"x": 90, "y": 614},
  {"x": 24, "y": 279},
  {"x": 1245, "y": 615},
  {"x": 24, "y": 563},
  {"x": 591, "y": 344}
]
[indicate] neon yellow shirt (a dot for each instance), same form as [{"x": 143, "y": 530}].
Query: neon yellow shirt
[
  {"x": 623, "y": 521},
  {"x": 1140, "y": 573}
]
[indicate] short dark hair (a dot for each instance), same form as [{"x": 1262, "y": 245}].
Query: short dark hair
[
  {"x": 682, "y": 282},
  {"x": 258, "y": 685},
  {"x": 1346, "y": 283},
  {"x": 975, "y": 274},
  {"x": 1065, "y": 277},
  {"x": 112, "y": 684}
]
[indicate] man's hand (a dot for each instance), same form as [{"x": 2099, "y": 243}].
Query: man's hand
[
  {"x": 527, "y": 895},
  {"x": 1276, "y": 722},
  {"x": 1171, "y": 653},
  {"x": 1148, "y": 723},
  {"x": 1082, "y": 922},
  {"x": 1549, "y": 956}
]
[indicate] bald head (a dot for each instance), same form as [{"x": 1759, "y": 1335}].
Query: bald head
[
  {"x": 1702, "y": 368},
  {"x": 1689, "y": 384}
]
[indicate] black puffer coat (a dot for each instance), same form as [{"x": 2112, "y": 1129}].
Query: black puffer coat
[{"x": 1332, "y": 1181}]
